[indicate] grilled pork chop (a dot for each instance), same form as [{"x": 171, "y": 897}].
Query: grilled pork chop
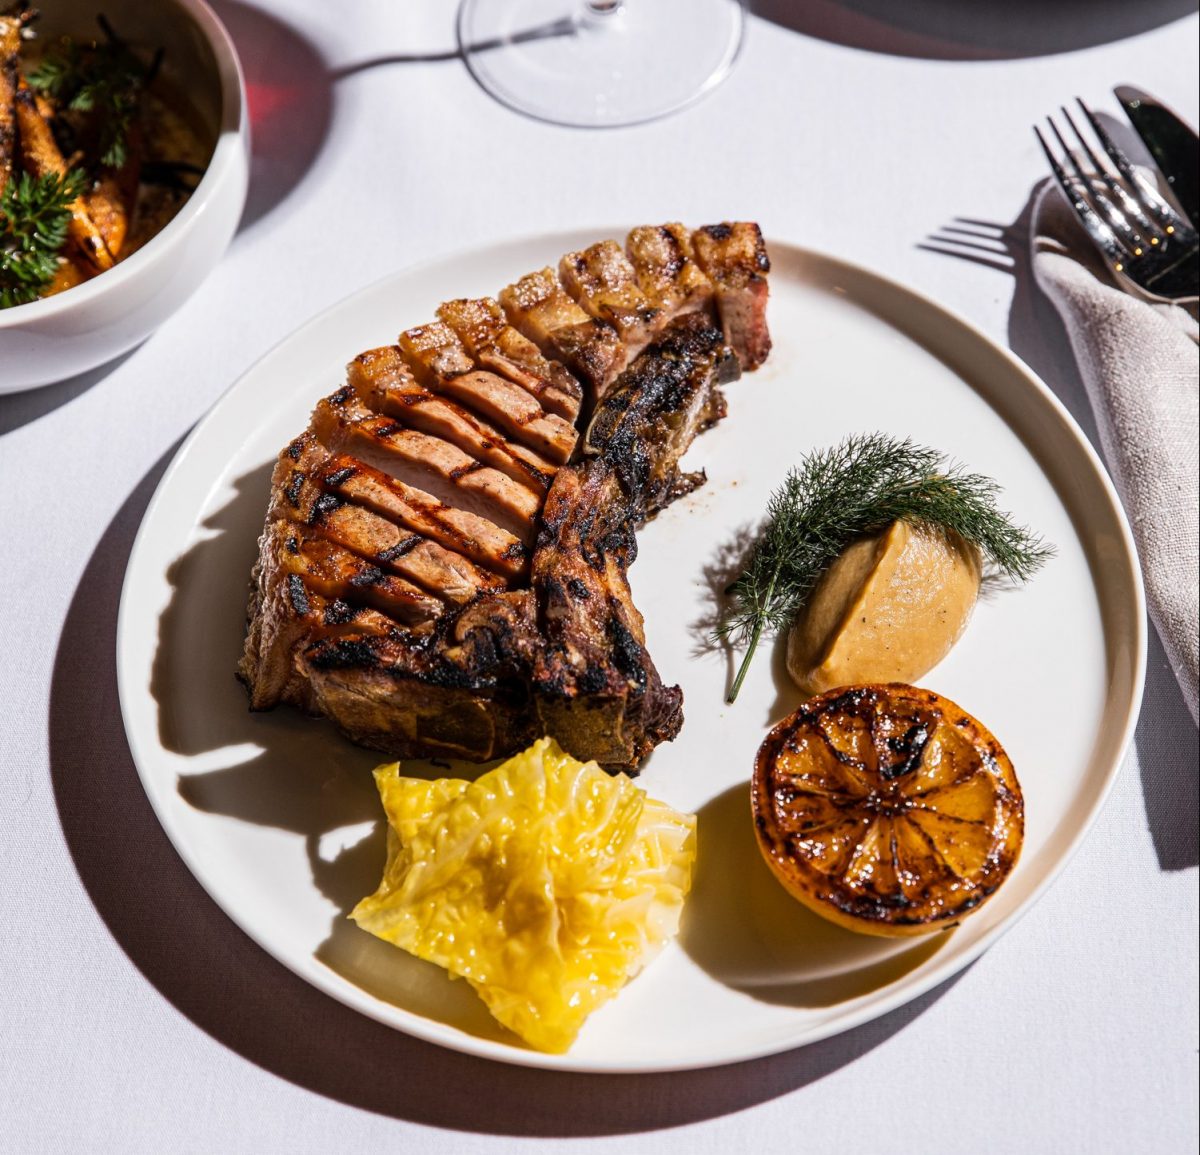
[{"x": 443, "y": 569}]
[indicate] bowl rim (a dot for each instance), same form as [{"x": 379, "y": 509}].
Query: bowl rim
[{"x": 232, "y": 139}]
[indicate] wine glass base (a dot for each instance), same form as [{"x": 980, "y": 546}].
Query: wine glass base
[{"x": 564, "y": 62}]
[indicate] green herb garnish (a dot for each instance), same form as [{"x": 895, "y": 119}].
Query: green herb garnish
[
  {"x": 857, "y": 488},
  {"x": 105, "y": 78},
  {"x": 34, "y": 215}
]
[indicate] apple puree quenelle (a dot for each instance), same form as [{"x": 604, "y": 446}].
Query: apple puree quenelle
[{"x": 888, "y": 609}]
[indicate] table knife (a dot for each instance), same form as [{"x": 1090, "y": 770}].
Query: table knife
[{"x": 1173, "y": 144}]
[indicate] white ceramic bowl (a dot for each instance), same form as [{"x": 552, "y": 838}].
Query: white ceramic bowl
[{"x": 72, "y": 332}]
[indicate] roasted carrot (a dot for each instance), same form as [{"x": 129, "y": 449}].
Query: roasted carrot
[
  {"x": 46, "y": 107},
  {"x": 108, "y": 212},
  {"x": 70, "y": 273},
  {"x": 40, "y": 155},
  {"x": 10, "y": 47},
  {"x": 110, "y": 203}
]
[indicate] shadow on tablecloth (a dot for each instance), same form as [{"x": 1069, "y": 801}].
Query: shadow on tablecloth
[
  {"x": 18, "y": 409},
  {"x": 290, "y": 98},
  {"x": 980, "y": 30},
  {"x": 210, "y": 971},
  {"x": 1166, "y": 740}
]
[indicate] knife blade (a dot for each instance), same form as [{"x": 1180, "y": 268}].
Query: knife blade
[{"x": 1173, "y": 144}]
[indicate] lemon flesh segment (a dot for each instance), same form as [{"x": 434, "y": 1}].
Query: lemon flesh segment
[{"x": 547, "y": 884}]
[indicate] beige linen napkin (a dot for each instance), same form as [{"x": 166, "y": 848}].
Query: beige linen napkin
[{"x": 1139, "y": 363}]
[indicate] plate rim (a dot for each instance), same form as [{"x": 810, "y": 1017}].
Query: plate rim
[{"x": 880, "y": 1002}]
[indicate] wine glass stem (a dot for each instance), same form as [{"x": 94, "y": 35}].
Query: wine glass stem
[{"x": 601, "y": 13}]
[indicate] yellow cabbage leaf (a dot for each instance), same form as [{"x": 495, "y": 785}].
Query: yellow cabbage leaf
[{"x": 546, "y": 884}]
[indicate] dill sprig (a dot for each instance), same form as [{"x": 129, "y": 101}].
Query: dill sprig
[
  {"x": 856, "y": 488},
  {"x": 34, "y": 215},
  {"x": 104, "y": 78}
]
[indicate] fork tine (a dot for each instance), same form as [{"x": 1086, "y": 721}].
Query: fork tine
[
  {"x": 1119, "y": 220},
  {"x": 1096, "y": 198},
  {"x": 1102, "y": 236},
  {"x": 1166, "y": 217}
]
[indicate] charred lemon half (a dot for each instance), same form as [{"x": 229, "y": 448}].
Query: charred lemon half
[{"x": 887, "y": 809}]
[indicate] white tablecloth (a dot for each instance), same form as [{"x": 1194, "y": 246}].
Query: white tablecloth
[{"x": 135, "y": 1017}]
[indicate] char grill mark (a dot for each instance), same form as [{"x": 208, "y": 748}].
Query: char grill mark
[
  {"x": 484, "y": 542},
  {"x": 341, "y": 576},
  {"x": 436, "y": 356},
  {"x": 446, "y": 470},
  {"x": 443, "y": 470},
  {"x": 496, "y": 346},
  {"x": 350, "y": 479},
  {"x": 665, "y": 265},
  {"x": 596, "y": 687},
  {"x": 298, "y": 497},
  {"x": 460, "y": 695},
  {"x": 538, "y": 307},
  {"x": 285, "y": 613},
  {"x": 605, "y": 284},
  {"x": 373, "y": 376},
  {"x": 656, "y": 408},
  {"x": 408, "y": 716},
  {"x": 376, "y": 375},
  {"x": 735, "y": 259}
]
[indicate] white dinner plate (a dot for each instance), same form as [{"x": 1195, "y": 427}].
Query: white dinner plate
[{"x": 277, "y": 816}]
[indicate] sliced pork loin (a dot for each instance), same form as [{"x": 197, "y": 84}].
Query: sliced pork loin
[
  {"x": 734, "y": 257},
  {"x": 382, "y": 380},
  {"x": 484, "y": 542},
  {"x": 335, "y": 573},
  {"x": 539, "y": 307},
  {"x": 443, "y": 569},
  {"x": 441, "y": 469},
  {"x": 605, "y": 283},
  {"x": 285, "y": 612},
  {"x": 486, "y": 334},
  {"x": 298, "y": 496},
  {"x": 436, "y": 356},
  {"x": 476, "y": 538}
]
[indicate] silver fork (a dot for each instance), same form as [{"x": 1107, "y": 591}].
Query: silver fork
[{"x": 1152, "y": 250}]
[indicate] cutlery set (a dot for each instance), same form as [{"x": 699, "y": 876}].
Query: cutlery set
[{"x": 1151, "y": 247}]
